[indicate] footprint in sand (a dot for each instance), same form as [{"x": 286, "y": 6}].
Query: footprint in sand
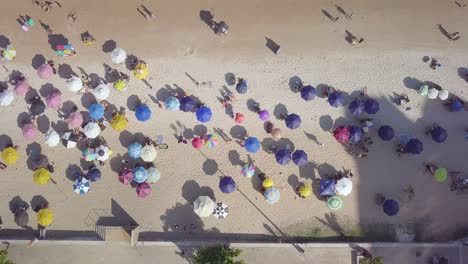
[{"x": 189, "y": 51}]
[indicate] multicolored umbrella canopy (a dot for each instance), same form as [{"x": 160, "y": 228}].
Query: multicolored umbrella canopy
[
  {"x": 126, "y": 176},
  {"x": 305, "y": 190},
  {"x": 10, "y": 155},
  {"x": 441, "y": 174},
  {"x": 241, "y": 86},
  {"x": 103, "y": 152},
  {"x": 386, "y": 133},
  {"x": 37, "y": 107},
  {"x": 120, "y": 85},
  {"x": 89, "y": 154},
  {"x": 204, "y": 206},
  {"x": 94, "y": 174},
  {"x": 264, "y": 115},
  {"x": 29, "y": 131},
  {"x": 134, "y": 150},
  {"x": 75, "y": 119},
  {"x": 283, "y": 156},
  {"x": 456, "y": 105},
  {"x": 197, "y": 143},
  {"x": 357, "y": 107},
  {"x": 9, "y": 53},
  {"x": 248, "y": 170},
  {"x": 355, "y": 133},
  {"x": 293, "y": 121},
  {"x": 142, "y": 113},
  {"x": 41, "y": 176},
  {"x": 371, "y": 106},
  {"x": 38, "y": 161},
  {"x": 300, "y": 158},
  {"x": 187, "y": 104},
  {"x": 140, "y": 71},
  {"x": 148, "y": 153},
  {"x": 22, "y": 218},
  {"x": 101, "y": 92},
  {"x": 172, "y": 104},
  {"x": 45, "y": 217},
  {"x": 204, "y": 114},
  {"x": 227, "y": 184},
  {"x": 54, "y": 100},
  {"x": 439, "y": 134},
  {"x": 344, "y": 186},
  {"x": 154, "y": 175},
  {"x": 74, "y": 84},
  {"x": 52, "y": 138},
  {"x": 221, "y": 211},
  {"x": 327, "y": 187},
  {"x": 308, "y": 93},
  {"x": 390, "y": 207},
  {"x": 414, "y": 146},
  {"x": 239, "y": 118},
  {"x": 81, "y": 186},
  {"x": 252, "y": 144},
  {"x": 341, "y": 134},
  {"x": 118, "y": 55},
  {"x": 92, "y": 130},
  {"x": 45, "y": 71},
  {"x": 21, "y": 88},
  {"x": 119, "y": 122},
  {"x": 143, "y": 190},
  {"x": 96, "y": 111},
  {"x": 211, "y": 140},
  {"x": 140, "y": 174},
  {"x": 6, "y": 98},
  {"x": 334, "y": 203},
  {"x": 271, "y": 195},
  {"x": 336, "y": 99}
]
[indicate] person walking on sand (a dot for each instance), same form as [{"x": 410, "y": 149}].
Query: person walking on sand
[{"x": 181, "y": 139}]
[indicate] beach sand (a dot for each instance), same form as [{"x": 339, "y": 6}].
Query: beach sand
[{"x": 398, "y": 34}]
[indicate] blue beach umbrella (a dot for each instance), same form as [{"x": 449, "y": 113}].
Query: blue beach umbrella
[
  {"x": 94, "y": 175},
  {"x": 140, "y": 174},
  {"x": 227, "y": 184},
  {"x": 371, "y": 106},
  {"x": 172, "y": 104},
  {"x": 414, "y": 146},
  {"x": 187, "y": 104},
  {"x": 308, "y": 92},
  {"x": 355, "y": 133},
  {"x": 81, "y": 186},
  {"x": 271, "y": 195},
  {"x": 241, "y": 86},
  {"x": 142, "y": 113},
  {"x": 386, "y": 133},
  {"x": 327, "y": 187},
  {"x": 96, "y": 111},
  {"x": 300, "y": 158},
  {"x": 390, "y": 207},
  {"x": 293, "y": 121},
  {"x": 456, "y": 105},
  {"x": 336, "y": 99},
  {"x": 252, "y": 144},
  {"x": 439, "y": 134},
  {"x": 204, "y": 114},
  {"x": 134, "y": 150},
  {"x": 283, "y": 156},
  {"x": 357, "y": 107}
]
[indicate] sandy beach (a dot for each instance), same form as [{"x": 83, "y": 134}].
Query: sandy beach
[{"x": 398, "y": 34}]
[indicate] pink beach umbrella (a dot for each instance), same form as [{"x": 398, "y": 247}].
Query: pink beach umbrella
[
  {"x": 29, "y": 131},
  {"x": 21, "y": 88},
  {"x": 45, "y": 71},
  {"x": 198, "y": 143},
  {"x": 54, "y": 100},
  {"x": 143, "y": 190},
  {"x": 126, "y": 176},
  {"x": 75, "y": 119}
]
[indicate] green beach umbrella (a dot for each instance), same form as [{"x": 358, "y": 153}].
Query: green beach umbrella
[
  {"x": 424, "y": 90},
  {"x": 440, "y": 174},
  {"x": 334, "y": 203}
]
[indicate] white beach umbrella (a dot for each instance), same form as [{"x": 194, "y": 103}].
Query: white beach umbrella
[
  {"x": 52, "y": 138},
  {"x": 433, "y": 93},
  {"x": 101, "y": 92},
  {"x": 148, "y": 153},
  {"x": 74, "y": 84},
  {"x": 204, "y": 206},
  {"x": 118, "y": 55},
  {"x": 443, "y": 95},
  {"x": 92, "y": 130},
  {"x": 153, "y": 175},
  {"x": 344, "y": 186},
  {"x": 221, "y": 211},
  {"x": 6, "y": 98},
  {"x": 103, "y": 153},
  {"x": 70, "y": 140}
]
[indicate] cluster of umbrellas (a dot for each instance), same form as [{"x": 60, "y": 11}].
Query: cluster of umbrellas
[
  {"x": 204, "y": 206},
  {"x": 351, "y": 134},
  {"x": 433, "y": 93},
  {"x": 210, "y": 141},
  {"x": 331, "y": 188},
  {"x": 284, "y": 156},
  {"x": 141, "y": 177}
]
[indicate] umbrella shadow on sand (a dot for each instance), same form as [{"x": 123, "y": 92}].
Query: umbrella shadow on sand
[
  {"x": 326, "y": 122},
  {"x": 463, "y": 73},
  {"x": 109, "y": 46},
  {"x": 73, "y": 172},
  {"x": 200, "y": 130},
  {"x": 65, "y": 71},
  {"x": 37, "y": 201},
  {"x": 238, "y": 132},
  {"x": 47, "y": 89},
  {"x": 22, "y": 119},
  {"x": 5, "y": 140},
  {"x": 57, "y": 39},
  {"x": 132, "y": 102},
  {"x": 283, "y": 143},
  {"x": 210, "y": 167},
  {"x": 279, "y": 111},
  {"x": 4, "y": 41},
  {"x": 191, "y": 190},
  {"x": 43, "y": 124},
  {"x": 60, "y": 126},
  {"x": 16, "y": 202},
  {"x": 234, "y": 158},
  {"x": 37, "y": 61}
]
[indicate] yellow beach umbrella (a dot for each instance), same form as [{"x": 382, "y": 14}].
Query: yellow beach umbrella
[
  {"x": 10, "y": 155},
  {"x": 119, "y": 122},
  {"x": 120, "y": 85},
  {"x": 140, "y": 71},
  {"x": 41, "y": 176},
  {"x": 305, "y": 190},
  {"x": 9, "y": 53},
  {"x": 45, "y": 217},
  {"x": 267, "y": 183}
]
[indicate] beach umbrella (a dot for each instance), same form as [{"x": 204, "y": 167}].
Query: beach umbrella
[
  {"x": 21, "y": 218},
  {"x": 308, "y": 92},
  {"x": 154, "y": 175},
  {"x": 264, "y": 115},
  {"x": 423, "y": 90},
  {"x": 120, "y": 85},
  {"x": 45, "y": 217},
  {"x": 187, "y": 104},
  {"x": 119, "y": 122},
  {"x": 148, "y": 153},
  {"x": 443, "y": 95},
  {"x": 10, "y": 155},
  {"x": 172, "y": 104},
  {"x": 37, "y": 107},
  {"x": 6, "y": 98},
  {"x": 456, "y": 105},
  {"x": 140, "y": 71},
  {"x": 386, "y": 133},
  {"x": 371, "y": 106},
  {"x": 29, "y": 131},
  {"x": 300, "y": 158},
  {"x": 69, "y": 140},
  {"x": 439, "y": 134},
  {"x": 390, "y": 207},
  {"x": 142, "y": 113},
  {"x": 241, "y": 86},
  {"x": 227, "y": 184},
  {"x": 101, "y": 92},
  {"x": 204, "y": 114},
  {"x": 336, "y": 99},
  {"x": 75, "y": 119},
  {"x": 38, "y": 161},
  {"x": 248, "y": 170},
  {"x": 276, "y": 133},
  {"x": 211, "y": 140},
  {"x": 305, "y": 190},
  {"x": 334, "y": 203},
  {"x": 433, "y": 93},
  {"x": 327, "y": 187},
  {"x": 21, "y": 88},
  {"x": 41, "y": 176},
  {"x": 221, "y": 211},
  {"x": 344, "y": 186},
  {"x": 239, "y": 118},
  {"x": 355, "y": 133},
  {"x": 81, "y": 186},
  {"x": 204, "y": 206},
  {"x": 341, "y": 134},
  {"x": 293, "y": 121},
  {"x": 45, "y": 71},
  {"x": 52, "y": 138},
  {"x": 441, "y": 174},
  {"x": 74, "y": 84},
  {"x": 271, "y": 195},
  {"x": 414, "y": 146},
  {"x": 54, "y": 100},
  {"x": 126, "y": 176},
  {"x": 267, "y": 183},
  {"x": 94, "y": 174},
  {"x": 134, "y": 150},
  {"x": 92, "y": 130},
  {"x": 96, "y": 111},
  {"x": 140, "y": 174},
  {"x": 89, "y": 154},
  {"x": 9, "y": 53},
  {"x": 118, "y": 55},
  {"x": 283, "y": 156},
  {"x": 143, "y": 189},
  {"x": 197, "y": 143},
  {"x": 252, "y": 144},
  {"x": 357, "y": 107},
  {"x": 103, "y": 152}
]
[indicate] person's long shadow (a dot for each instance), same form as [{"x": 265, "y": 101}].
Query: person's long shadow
[
  {"x": 446, "y": 33},
  {"x": 4, "y": 41}
]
